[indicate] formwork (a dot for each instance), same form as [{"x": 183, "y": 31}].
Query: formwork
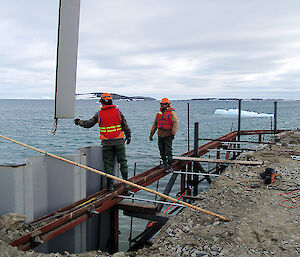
[{"x": 44, "y": 184}]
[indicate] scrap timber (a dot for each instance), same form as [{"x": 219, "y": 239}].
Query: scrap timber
[{"x": 57, "y": 222}]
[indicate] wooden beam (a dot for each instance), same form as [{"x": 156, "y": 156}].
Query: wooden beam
[
  {"x": 195, "y": 159},
  {"x": 136, "y": 207}
]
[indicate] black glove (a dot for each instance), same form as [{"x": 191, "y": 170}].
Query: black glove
[
  {"x": 76, "y": 121},
  {"x": 151, "y": 138},
  {"x": 128, "y": 140},
  {"x": 172, "y": 137}
]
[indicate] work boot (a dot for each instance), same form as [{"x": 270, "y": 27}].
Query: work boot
[
  {"x": 170, "y": 168},
  {"x": 164, "y": 164}
]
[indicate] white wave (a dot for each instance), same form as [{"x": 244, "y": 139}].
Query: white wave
[{"x": 234, "y": 112}]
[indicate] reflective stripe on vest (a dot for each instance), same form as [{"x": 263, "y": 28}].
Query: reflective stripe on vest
[
  {"x": 110, "y": 129},
  {"x": 110, "y": 123}
]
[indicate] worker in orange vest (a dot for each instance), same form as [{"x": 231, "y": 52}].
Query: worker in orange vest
[
  {"x": 166, "y": 124},
  {"x": 113, "y": 126}
]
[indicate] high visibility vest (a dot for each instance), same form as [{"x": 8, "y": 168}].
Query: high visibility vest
[
  {"x": 110, "y": 122},
  {"x": 164, "y": 120}
]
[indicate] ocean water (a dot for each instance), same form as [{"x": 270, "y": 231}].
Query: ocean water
[{"x": 30, "y": 122}]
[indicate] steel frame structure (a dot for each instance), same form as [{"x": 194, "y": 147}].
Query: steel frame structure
[{"x": 56, "y": 223}]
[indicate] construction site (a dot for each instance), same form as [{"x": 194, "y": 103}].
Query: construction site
[
  {"x": 60, "y": 205},
  {"x": 248, "y": 184}
]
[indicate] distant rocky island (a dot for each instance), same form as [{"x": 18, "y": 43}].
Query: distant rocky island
[
  {"x": 97, "y": 95},
  {"x": 233, "y": 99}
]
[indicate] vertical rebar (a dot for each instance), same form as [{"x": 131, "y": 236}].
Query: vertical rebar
[
  {"x": 239, "y": 120},
  {"x": 275, "y": 117},
  {"x": 188, "y": 123}
]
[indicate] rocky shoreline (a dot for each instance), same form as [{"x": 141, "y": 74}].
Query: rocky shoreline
[{"x": 259, "y": 225}]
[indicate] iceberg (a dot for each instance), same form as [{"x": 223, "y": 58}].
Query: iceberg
[{"x": 234, "y": 112}]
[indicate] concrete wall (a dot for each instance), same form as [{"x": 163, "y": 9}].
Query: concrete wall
[{"x": 46, "y": 184}]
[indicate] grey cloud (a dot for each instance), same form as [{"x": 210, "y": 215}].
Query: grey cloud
[{"x": 212, "y": 48}]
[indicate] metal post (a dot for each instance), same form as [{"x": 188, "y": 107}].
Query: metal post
[
  {"x": 189, "y": 179},
  {"x": 188, "y": 120},
  {"x": 218, "y": 156},
  {"x": 271, "y": 124},
  {"x": 183, "y": 180},
  {"x": 196, "y": 139},
  {"x": 195, "y": 179},
  {"x": 131, "y": 219},
  {"x": 196, "y": 153},
  {"x": 275, "y": 117},
  {"x": 239, "y": 120},
  {"x": 114, "y": 230}
]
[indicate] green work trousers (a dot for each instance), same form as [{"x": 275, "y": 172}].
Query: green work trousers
[
  {"x": 109, "y": 153},
  {"x": 165, "y": 147}
]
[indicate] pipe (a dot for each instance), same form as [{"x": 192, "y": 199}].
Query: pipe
[
  {"x": 118, "y": 179},
  {"x": 195, "y": 173},
  {"x": 151, "y": 201}
]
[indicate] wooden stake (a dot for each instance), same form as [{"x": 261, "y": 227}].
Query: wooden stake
[{"x": 118, "y": 179}]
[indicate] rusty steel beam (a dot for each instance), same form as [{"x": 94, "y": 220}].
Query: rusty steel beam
[
  {"x": 114, "y": 229},
  {"x": 259, "y": 132},
  {"x": 63, "y": 223}
]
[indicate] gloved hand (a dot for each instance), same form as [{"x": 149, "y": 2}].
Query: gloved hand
[
  {"x": 172, "y": 137},
  {"x": 76, "y": 121},
  {"x": 151, "y": 138},
  {"x": 128, "y": 140}
]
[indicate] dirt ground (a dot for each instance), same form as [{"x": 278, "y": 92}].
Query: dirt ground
[{"x": 259, "y": 225}]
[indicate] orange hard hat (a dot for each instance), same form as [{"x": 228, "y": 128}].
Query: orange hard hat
[
  {"x": 105, "y": 97},
  {"x": 165, "y": 101}
]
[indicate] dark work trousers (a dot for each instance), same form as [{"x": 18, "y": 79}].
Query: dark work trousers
[
  {"x": 109, "y": 153},
  {"x": 165, "y": 148}
]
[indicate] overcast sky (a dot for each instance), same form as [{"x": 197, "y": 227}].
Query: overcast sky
[{"x": 179, "y": 49}]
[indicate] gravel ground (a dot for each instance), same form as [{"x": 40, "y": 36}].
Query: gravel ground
[{"x": 258, "y": 226}]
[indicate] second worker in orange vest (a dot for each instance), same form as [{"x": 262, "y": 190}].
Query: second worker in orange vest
[
  {"x": 166, "y": 123},
  {"x": 113, "y": 126}
]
